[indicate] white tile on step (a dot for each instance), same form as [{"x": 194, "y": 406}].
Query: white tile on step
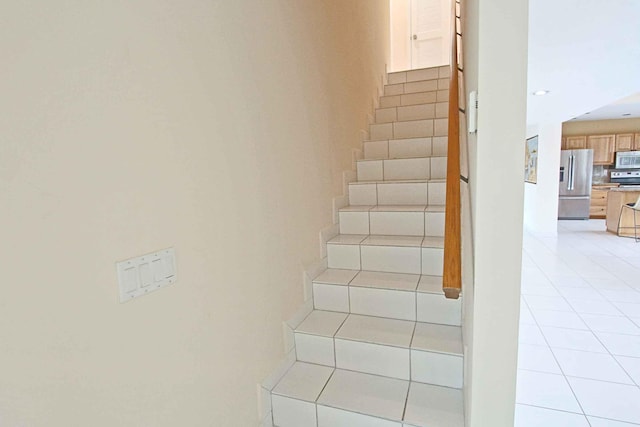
[
  {"x": 375, "y": 359},
  {"x": 376, "y": 150},
  {"x": 631, "y": 365},
  {"x": 411, "y": 193},
  {"x": 585, "y": 306},
  {"x": 416, "y": 112},
  {"x": 440, "y": 127},
  {"x": 438, "y": 167},
  {"x": 391, "y": 240},
  {"x": 434, "y": 224},
  {"x": 422, "y": 74},
  {"x": 430, "y": 284},
  {"x": 303, "y": 381},
  {"x": 386, "y": 115},
  {"x": 333, "y": 276},
  {"x": 561, "y": 319},
  {"x": 332, "y": 417},
  {"x": 391, "y": 259},
  {"x": 383, "y": 303},
  {"x": 443, "y": 84},
  {"x": 595, "y": 366},
  {"x": 442, "y": 110},
  {"x": 444, "y": 72},
  {"x": 370, "y": 170},
  {"x": 531, "y": 416},
  {"x": 315, "y": 349},
  {"x": 572, "y": 339},
  {"x": 363, "y": 194},
  {"x": 619, "y": 344},
  {"x": 442, "y": 95},
  {"x": 602, "y": 422},
  {"x": 395, "y": 89},
  {"x": 608, "y": 400},
  {"x": 390, "y": 101},
  {"x": 405, "y": 169},
  {"x": 348, "y": 239},
  {"x": 354, "y": 222},
  {"x": 537, "y": 358},
  {"x": 398, "y": 281},
  {"x": 412, "y": 129},
  {"x": 367, "y": 394},
  {"x": 435, "y": 308},
  {"x": 331, "y": 297},
  {"x": 437, "y": 338},
  {"x": 432, "y": 261},
  {"x": 418, "y": 98},
  {"x": 288, "y": 412},
  {"x": 397, "y": 223},
  {"x": 377, "y": 330},
  {"x": 437, "y": 193},
  {"x": 536, "y": 302},
  {"x": 383, "y": 131},
  {"x": 433, "y": 406},
  {"x": 531, "y": 334},
  {"x": 398, "y": 77},
  {"x": 432, "y": 242},
  {"x": 325, "y": 323},
  {"x": 344, "y": 256},
  {"x": 439, "y": 146},
  {"x": 399, "y": 208},
  {"x": 421, "y": 86},
  {"x": 437, "y": 368},
  {"x": 409, "y": 147},
  {"x": 612, "y": 324},
  {"x": 545, "y": 390}
]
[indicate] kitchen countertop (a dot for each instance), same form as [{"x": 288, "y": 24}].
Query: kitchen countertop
[{"x": 634, "y": 188}]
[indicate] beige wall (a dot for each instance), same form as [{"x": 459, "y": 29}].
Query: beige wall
[
  {"x": 592, "y": 127},
  {"x": 220, "y": 128},
  {"x": 400, "y": 34}
]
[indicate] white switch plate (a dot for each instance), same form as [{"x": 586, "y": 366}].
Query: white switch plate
[{"x": 146, "y": 273}]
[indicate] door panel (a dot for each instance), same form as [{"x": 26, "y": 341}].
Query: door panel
[{"x": 430, "y": 23}]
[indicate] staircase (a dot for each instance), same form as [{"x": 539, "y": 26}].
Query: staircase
[{"x": 382, "y": 346}]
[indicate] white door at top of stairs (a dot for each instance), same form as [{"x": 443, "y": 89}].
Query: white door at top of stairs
[{"x": 430, "y": 24}]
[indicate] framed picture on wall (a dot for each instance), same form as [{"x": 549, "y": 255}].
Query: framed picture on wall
[{"x": 531, "y": 160}]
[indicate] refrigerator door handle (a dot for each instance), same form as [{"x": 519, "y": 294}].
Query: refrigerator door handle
[{"x": 570, "y": 180}]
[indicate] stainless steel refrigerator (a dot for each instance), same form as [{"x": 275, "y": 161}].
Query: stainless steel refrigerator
[{"x": 576, "y": 170}]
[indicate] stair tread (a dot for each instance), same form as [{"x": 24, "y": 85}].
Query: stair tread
[
  {"x": 381, "y": 280},
  {"x": 416, "y": 404},
  {"x": 400, "y": 181},
  {"x": 397, "y": 159},
  {"x": 431, "y": 337},
  {"x": 393, "y": 208},
  {"x": 385, "y": 240}
]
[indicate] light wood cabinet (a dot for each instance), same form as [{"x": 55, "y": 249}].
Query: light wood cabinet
[
  {"x": 598, "y": 207},
  {"x": 636, "y": 142},
  {"x": 625, "y": 142},
  {"x": 575, "y": 142},
  {"x": 604, "y": 148}
]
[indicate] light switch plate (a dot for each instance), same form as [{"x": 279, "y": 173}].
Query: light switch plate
[{"x": 147, "y": 273}]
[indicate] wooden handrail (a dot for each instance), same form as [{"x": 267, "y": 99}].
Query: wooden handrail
[{"x": 452, "y": 269}]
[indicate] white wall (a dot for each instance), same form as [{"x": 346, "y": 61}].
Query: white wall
[
  {"x": 218, "y": 127},
  {"x": 495, "y": 65},
  {"x": 400, "y": 30},
  {"x": 541, "y": 199}
]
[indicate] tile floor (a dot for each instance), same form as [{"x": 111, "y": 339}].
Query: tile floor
[{"x": 579, "y": 353}]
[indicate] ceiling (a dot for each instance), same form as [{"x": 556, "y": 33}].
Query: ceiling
[{"x": 586, "y": 53}]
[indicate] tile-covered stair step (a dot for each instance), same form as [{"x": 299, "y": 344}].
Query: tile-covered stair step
[
  {"x": 429, "y": 85},
  {"x": 311, "y": 395},
  {"x": 406, "y": 148},
  {"x": 402, "y": 169},
  {"x": 390, "y": 295},
  {"x": 402, "y": 220},
  {"x": 438, "y": 110},
  {"x": 416, "y": 98},
  {"x": 408, "y": 129},
  {"x": 392, "y": 254},
  {"x": 407, "y": 192},
  {"x": 431, "y": 73}
]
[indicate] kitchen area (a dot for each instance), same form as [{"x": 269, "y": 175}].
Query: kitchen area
[{"x": 600, "y": 173}]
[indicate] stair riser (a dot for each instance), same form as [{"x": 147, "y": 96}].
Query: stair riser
[
  {"x": 416, "y": 75},
  {"x": 391, "y": 259},
  {"x": 406, "y": 148},
  {"x": 420, "y": 193},
  {"x": 394, "y": 362},
  {"x": 417, "y": 98},
  {"x": 393, "y": 223},
  {"x": 413, "y": 112},
  {"x": 418, "y": 86},
  {"x": 409, "y": 129},
  {"x": 392, "y": 304},
  {"x": 402, "y": 169}
]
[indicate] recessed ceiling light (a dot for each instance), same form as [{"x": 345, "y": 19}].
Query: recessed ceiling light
[
  {"x": 588, "y": 112},
  {"x": 540, "y": 92},
  {"x": 626, "y": 114}
]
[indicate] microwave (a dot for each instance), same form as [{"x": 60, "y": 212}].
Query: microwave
[{"x": 628, "y": 160}]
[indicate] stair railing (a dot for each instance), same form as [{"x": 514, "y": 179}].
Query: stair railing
[{"x": 452, "y": 268}]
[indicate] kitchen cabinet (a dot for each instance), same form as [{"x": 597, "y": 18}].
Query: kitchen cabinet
[
  {"x": 575, "y": 142},
  {"x": 598, "y": 207},
  {"x": 604, "y": 148},
  {"x": 636, "y": 142},
  {"x": 622, "y": 225},
  {"x": 625, "y": 142}
]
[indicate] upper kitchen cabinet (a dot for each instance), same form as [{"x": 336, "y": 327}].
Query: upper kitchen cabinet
[
  {"x": 636, "y": 142},
  {"x": 574, "y": 142},
  {"x": 624, "y": 142},
  {"x": 604, "y": 148}
]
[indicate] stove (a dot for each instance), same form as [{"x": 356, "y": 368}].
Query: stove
[{"x": 626, "y": 177}]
